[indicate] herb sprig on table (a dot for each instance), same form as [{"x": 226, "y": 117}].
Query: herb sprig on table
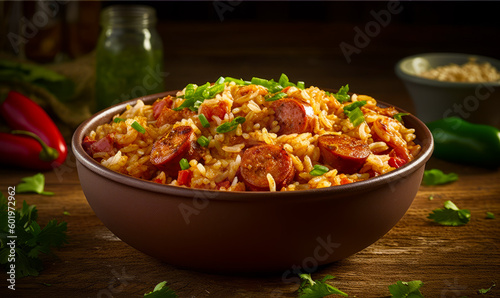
[{"x": 30, "y": 238}]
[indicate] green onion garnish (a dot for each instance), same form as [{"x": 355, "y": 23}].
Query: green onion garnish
[
  {"x": 399, "y": 116},
  {"x": 354, "y": 112},
  {"x": 318, "y": 170},
  {"x": 230, "y": 126},
  {"x": 237, "y": 81},
  {"x": 277, "y": 96},
  {"x": 301, "y": 85},
  {"x": 203, "y": 120},
  {"x": 342, "y": 95},
  {"x": 117, "y": 120},
  {"x": 184, "y": 163},
  {"x": 135, "y": 125},
  {"x": 203, "y": 141}
]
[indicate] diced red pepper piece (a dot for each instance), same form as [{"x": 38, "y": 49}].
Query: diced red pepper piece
[
  {"x": 184, "y": 177},
  {"x": 396, "y": 162}
]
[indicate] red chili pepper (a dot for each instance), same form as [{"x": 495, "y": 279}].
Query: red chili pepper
[{"x": 27, "y": 118}]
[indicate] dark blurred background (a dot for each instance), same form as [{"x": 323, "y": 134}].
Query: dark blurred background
[{"x": 207, "y": 39}]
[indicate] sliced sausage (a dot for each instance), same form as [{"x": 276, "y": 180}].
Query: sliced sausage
[
  {"x": 258, "y": 161},
  {"x": 293, "y": 116},
  {"x": 171, "y": 148},
  {"x": 344, "y": 153}
]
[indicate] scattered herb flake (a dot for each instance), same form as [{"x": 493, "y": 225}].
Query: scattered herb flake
[
  {"x": 314, "y": 289},
  {"x": 485, "y": 291},
  {"x": 161, "y": 291},
  {"x": 66, "y": 213},
  {"x": 35, "y": 183},
  {"x": 437, "y": 177},
  {"x": 230, "y": 126},
  {"x": 31, "y": 238},
  {"x": 431, "y": 198},
  {"x": 490, "y": 215},
  {"x": 409, "y": 289},
  {"x": 450, "y": 215}
]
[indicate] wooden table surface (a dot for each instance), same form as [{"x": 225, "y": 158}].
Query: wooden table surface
[{"x": 451, "y": 261}]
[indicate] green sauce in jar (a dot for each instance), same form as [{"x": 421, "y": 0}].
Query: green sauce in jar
[{"x": 129, "y": 58}]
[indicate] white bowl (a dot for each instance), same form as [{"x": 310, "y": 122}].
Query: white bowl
[{"x": 434, "y": 100}]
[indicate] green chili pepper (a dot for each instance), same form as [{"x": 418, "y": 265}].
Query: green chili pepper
[{"x": 457, "y": 140}]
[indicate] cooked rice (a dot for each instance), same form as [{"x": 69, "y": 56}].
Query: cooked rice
[
  {"x": 471, "y": 71},
  {"x": 219, "y": 165}
]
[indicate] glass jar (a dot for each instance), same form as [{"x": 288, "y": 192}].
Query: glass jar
[{"x": 129, "y": 56}]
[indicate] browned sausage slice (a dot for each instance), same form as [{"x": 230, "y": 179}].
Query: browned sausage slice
[
  {"x": 293, "y": 116},
  {"x": 258, "y": 161},
  {"x": 171, "y": 148},
  {"x": 344, "y": 153}
]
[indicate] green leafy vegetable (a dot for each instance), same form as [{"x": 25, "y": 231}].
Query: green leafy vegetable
[
  {"x": 450, "y": 215},
  {"x": 490, "y": 215},
  {"x": 58, "y": 85},
  {"x": 437, "y": 177},
  {"x": 203, "y": 141},
  {"x": 204, "y": 121},
  {"x": 184, "y": 163},
  {"x": 485, "y": 291},
  {"x": 31, "y": 239},
  {"x": 399, "y": 116},
  {"x": 354, "y": 112},
  {"x": 318, "y": 170},
  {"x": 231, "y": 125},
  {"x": 342, "y": 95},
  {"x": 403, "y": 289},
  {"x": 117, "y": 120},
  {"x": 276, "y": 96},
  {"x": 161, "y": 291},
  {"x": 34, "y": 184},
  {"x": 135, "y": 125},
  {"x": 315, "y": 289}
]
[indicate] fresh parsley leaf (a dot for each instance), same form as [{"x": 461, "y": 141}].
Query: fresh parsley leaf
[
  {"x": 409, "y": 289},
  {"x": 31, "y": 239},
  {"x": 450, "y": 215},
  {"x": 490, "y": 215},
  {"x": 35, "y": 184},
  {"x": 161, "y": 291},
  {"x": 342, "y": 95},
  {"x": 315, "y": 289},
  {"x": 437, "y": 177},
  {"x": 485, "y": 291}
]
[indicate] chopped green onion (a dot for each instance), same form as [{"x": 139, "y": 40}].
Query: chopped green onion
[
  {"x": 190, "y": 88},
  {"x": 354, "y": 105},
  {"x": 301, "y": 85},
  {"x": 277, "y": 96},
  {"x": 117, "y": 120},
  {"x": 236, "y": 81},
  {"x": 184, "y": 163},
  {"x": 135, "y": 125},
  {"x": 266, "y": 83},
  {"x": 318, "y": 170},
  {"x": 356, "y": 116},
  {"x": 187, "y": 103},
  {"x": 203, "y": 141},
  {"x": 230, "y": 126},
  {"x": 215, "y": 89},
  {"x": 219, "y": 81},
  {"x": 203, "y": 120},
  {"x": 399, "y": 116},
  {"x": 283, "y": 81},
  {"x": 342, "y": 95}
]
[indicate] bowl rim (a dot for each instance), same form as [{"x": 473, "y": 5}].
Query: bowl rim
[
  {"x": 105, "y": 116},
  {"x": 404, "y": 75}
]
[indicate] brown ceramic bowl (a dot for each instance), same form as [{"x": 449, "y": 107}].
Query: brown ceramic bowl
[{"x": 247, "y": 231}]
